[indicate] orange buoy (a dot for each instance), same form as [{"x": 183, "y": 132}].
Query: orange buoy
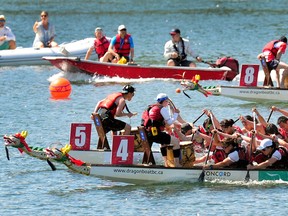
[
  {"x": 178, "y": 90},
  {"x": 60, "y": 88}
]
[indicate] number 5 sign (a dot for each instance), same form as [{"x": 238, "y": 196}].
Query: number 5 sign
[
  {"x": 122, "y": 149},
  {"x": 249, "y": 75},
  {"x": 80, "y": 136}
]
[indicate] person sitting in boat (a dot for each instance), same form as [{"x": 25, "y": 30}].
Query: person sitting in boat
[
  {"x": 272, "y": 52},
  {"x": 236, "y": 156},
  {"x": 112, "y": 106},
  {"x": 270, "y": 156},
  {"x": 101, "y": 44},
  {"x": 121, "y": 45},
  {"x": 45, "y": 32},
  {"x": 7, "y": 38},
  {"x": 155, "y": 121},
  {"x": 177, "y": 49}
]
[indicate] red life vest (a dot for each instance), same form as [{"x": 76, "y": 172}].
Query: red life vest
[
  {"x": 152, "y": 117},
  {"x": 270, "y": 47},
  {"x": 124, "y": 47},
  {"x": 101, "y": 46},
  {"x": 218, "y": 155},
  {"x": 109, "y": 102}
]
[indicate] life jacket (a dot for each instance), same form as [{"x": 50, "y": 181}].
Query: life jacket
[
  {"x": 151, "y": 117},
  {"x": 270, "y": 47},
  {"x": 101, "y": 46},
  {"x": 122, "y": 48},
  {"x": 218, "y": 155},
  {"x": 229, "y": 62},
  {"x": 109, "y": 103},
  {"x": 243, "y": 159},
  {"x": 283, "y": 163}
]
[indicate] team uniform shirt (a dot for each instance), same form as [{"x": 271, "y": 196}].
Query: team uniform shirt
[
  {"x": 277, "y": 155},
  {"x": 233, "y": 156},
  {"x": 6, "y": 31},
  {"x": 169, "y": 48}
]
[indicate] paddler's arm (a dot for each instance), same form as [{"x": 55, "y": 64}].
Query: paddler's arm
[
  {"x": 110, "y": 48},
  {"x": 284, "y": 112},
  {"x": 120, "y": 109}
]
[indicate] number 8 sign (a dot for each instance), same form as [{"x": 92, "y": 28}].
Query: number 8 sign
[
  {"x": 80, "y": 136},
  {"x": 249, "y": 75}
]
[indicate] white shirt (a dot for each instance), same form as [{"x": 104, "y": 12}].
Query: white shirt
[
  {"x": 169, "y": 48},
  {"x": 6, "y": 31},
  {"x": 166, "y": 115}
]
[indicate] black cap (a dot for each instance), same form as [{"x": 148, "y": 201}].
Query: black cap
[
  {"x": 175, "y": 31},
  {"x": 185, "y": 127},
  {"x": 128, "y": 89}
]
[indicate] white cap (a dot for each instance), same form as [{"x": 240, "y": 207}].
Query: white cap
[
  {"x": 161, "y": 97},
  {"x": 121, "y": 27},
  {"x": 264, "y": 144},
  {"x": 2, "y": 17},
  {"x": 98, "y": 29}
]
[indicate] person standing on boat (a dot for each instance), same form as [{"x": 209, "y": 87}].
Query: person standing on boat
[
  {"x": 272, "y": 52},
  {"x": 113, "y": 106},
  {"x": 155, "y": 121},
  {"x": 7, "y": 38},
  {"x": 121, "y": 45},
  {"x": 45, "y": 32},
  {"x": 101, "y": 44},
  {"x": 177, "y": 49}
]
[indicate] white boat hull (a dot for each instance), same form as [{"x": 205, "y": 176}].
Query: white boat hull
[
  {"x": 251, "y": 93},
  {"x": 33, "y": 56}
]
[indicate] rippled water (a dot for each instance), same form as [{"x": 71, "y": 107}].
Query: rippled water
[{"x": 215, "y": 28}]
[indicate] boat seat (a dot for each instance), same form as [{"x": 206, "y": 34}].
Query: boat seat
[
  {"x": 267, "y": 81},
  {"x": 148, "y": 157},
  {"x": 102, "y": 140}
]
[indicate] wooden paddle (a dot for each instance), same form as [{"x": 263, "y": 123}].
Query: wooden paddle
[
  {"x": 202, "y": 175},
  {"x": 51, "y": 165},
  {"x": 247, "y": 177},
  {"x": 209, "y": 63}
]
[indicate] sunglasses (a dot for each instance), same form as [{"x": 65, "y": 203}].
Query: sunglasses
[
  {"x": 209, "y": 126},
  {"x": 2, "y": 21},
  {"x": 43, "y": 15}
]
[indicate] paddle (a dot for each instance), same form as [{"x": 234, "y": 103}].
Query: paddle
[
  {"x": 51, "y": 165},
  {"x": 209, "y": 63},
  {"x": 270, "y": 115},
  {"x": 7, "y": 152},
  {"x": 202, "y": 175},
  {"x": 198, "y": 118},
  {"x": 247, "y": 177}
]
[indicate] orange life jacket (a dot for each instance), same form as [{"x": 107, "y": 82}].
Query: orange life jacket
[
  {"x": 101, "y": 46},
  {"x": 122, "y": 46},
  {"x": 109, "y": 102}
]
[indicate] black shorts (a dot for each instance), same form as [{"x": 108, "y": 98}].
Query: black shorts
[
  {"x": 183, "y": 63},
  {"x": 161, "y": 138},
  {"x": 272, "y": 65},
  {"x": 113, "y": 124}
]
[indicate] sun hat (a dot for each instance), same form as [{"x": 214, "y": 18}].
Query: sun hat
[
  {"x": 98, "y": 29},
  {"x": 185, "y": 127},
  {"x": 121, "y": 27},
  {"x": 161, "y": 97},
  {"x": 128, "y": 89},
  {"x": 175, "y": 31},
  {"x": 2, "y": 17},
  {"x": 264, "y": 144}
]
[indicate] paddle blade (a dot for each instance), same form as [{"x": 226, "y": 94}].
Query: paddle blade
[
  {"x": 247, "y": 177},
  {"x": 7, "y": 153},
  {"x": 51, "y": 165},
  {"x": 201, "y": 177}
]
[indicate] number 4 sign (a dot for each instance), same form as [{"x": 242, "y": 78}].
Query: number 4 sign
[
  {"x": 122, "y": 149},
  {"x": 249, "y": 75},
  {"x": 80, "y": 136}
]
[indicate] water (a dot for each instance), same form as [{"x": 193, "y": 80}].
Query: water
[{"x": 215, "y": 28}]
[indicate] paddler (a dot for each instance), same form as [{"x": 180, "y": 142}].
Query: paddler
[{"x": 113, "y": 106}]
